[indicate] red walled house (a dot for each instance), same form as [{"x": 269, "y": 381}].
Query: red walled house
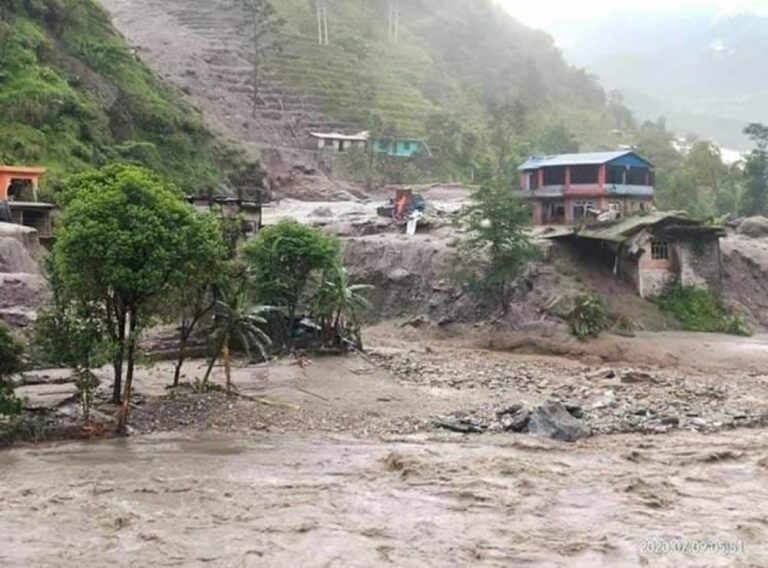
[{"x": 565, "y": 189}]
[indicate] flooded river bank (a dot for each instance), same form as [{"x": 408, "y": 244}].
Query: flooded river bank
[{"x": 324, "y": 500}]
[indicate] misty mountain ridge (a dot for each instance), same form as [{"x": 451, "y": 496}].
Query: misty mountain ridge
[{"x": 697, "y": 68}]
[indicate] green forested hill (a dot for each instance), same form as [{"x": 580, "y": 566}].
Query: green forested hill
[
  {"x": 463, "y": 74},
  {"x": 72, "y": 95}
]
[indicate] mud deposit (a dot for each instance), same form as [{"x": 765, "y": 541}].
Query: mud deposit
[{"x": 338, "y": 501}]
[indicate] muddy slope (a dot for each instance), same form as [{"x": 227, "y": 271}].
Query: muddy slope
[{"x": 745, "y": 263}]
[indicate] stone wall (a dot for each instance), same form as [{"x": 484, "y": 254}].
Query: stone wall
[{"x": 700, "y": 262}]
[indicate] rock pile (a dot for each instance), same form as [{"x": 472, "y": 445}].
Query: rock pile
[{"x": 607, "y": 400}]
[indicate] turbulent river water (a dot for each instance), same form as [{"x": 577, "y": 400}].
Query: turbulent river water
[{"x": 320, "y": 500}]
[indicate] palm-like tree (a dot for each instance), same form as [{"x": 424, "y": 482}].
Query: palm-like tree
[
  {"x": 339, "y": 303},
  {"x": 237, "y": 318}
]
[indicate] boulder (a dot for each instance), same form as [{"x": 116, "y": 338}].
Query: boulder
[
  {"x": 553, "y": 420},
  {"x": 755, "y": 227},
  {"x": 516, "y": 422}
]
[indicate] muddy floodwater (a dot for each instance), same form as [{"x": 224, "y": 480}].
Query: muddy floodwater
[{"x": 324, "y": 500}]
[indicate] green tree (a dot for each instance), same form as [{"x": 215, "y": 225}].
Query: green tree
[
  {"x": 496, "y": 224},
  {"x": 656, "y": 144},
  {"x": 557, "y": 139},
  {"x": 697, "y": 182},
  {"x": 124, "y": 242},
  {"x": 236, "y": 318},
  {"x": 262, "y": 25},
  {"x": 10, "y": 363},
  {"x": 339, "y": 304},
  {"x": 282, "y": 258},
  {"x": 194, "y": 296},
  {"x": 71, "y": 333},
  {"x": 756, "y": 172}
]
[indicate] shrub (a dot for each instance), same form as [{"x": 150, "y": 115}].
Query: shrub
[
  {"x": 284, "y": 257},
  {"x": 10, "y": 363},
  {"x": 698, "y": 309},
  {"x": 588, "y": 317}
]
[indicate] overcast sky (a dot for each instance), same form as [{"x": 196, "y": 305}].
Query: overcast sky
[{"x": 546, "y": 13}]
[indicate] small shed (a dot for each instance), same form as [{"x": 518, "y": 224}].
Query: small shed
[
  {"x": 338, "y": 142},
  {"x": 653, "y": 251},
  {"x": 18, "y": 199},
  {"x": 400, "y": 147}
]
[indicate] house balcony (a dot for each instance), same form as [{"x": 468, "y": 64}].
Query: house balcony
[
  {"x": 587, "y": 190},
  {"x": 629, "y": 190}
]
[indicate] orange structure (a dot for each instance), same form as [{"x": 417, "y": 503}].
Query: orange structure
[
  {"x": 18, "y": 199},
  {"x": 13, "y": 180}
]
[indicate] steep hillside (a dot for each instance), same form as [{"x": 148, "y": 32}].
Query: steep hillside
[
  {"x": 73, "y": 95},
  {"x": 479, "y": 86}
]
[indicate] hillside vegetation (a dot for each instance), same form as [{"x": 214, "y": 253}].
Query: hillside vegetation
[
  {"x": 483, "y": 89},
  {"x": 72, "y": 95}
]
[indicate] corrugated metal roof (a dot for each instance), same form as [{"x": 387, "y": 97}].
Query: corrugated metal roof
[
  {"x": 359, "y": 137},
  {"x": 619, "y": 231},
  {"x": 584, "y": 159}
]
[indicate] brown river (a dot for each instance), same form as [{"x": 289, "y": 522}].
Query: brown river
[{"x": 682, "y": 499}]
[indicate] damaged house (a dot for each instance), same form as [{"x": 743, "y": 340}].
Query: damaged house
[{"x": 652, "y": 251}]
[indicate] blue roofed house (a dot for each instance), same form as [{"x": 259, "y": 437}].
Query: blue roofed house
[
  {"x": 567, "y": 188},
  {"x": 400, "y": 147}
]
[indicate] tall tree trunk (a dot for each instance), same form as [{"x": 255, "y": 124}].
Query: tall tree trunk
[
  {"x": 397, "y": 21},
  {"x": 211, "y": 363},
  {"x": 227, "y": 365},
  {"x": 118, "y": 357},
  {"x": 180, "y": 360},
  {"x": 325, "y": 24},
  {"x": 132, "y": 327},
  {"x": 503, "y": 293}
]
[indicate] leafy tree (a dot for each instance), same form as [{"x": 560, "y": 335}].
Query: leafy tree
[
  {"x": 262, "y": 24},
  {"x": 756, "y": 172},
  {"x": 697, "y": 182},
  {"x": 339, "y": 304},
  {"x": 195, "y": 295},
  {"x": 71, "y": 333},
  {"x": 655, "y": 143},
  {"x": 124, "y": 241},
  {"x": 496, "y": 224},
  {"x": 557, "y": 139},
  {"x": 283, "y": 257},
  {"x": 10, "y": 363},
  {"x": 237, "y": 318}
]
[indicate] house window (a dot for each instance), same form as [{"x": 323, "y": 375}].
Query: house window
[
  {"x": 533, "y": 180},
  {"x": 580, "y": 209},
  {"x": 406, "y": 146},
  {"x": 584, "y": 174},
  {"x": 615, "y": 175},
  {"x": 554, "y": 176},
  {"x": 637, "y": 176},
  {"x": 614, "y": 206},
  {"x": 659, "y": 250}
]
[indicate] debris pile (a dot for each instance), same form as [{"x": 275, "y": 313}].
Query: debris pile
[{"x": 606, "y": 400}]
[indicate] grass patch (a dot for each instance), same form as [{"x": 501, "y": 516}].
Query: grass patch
[{"x": 698, "y": 309}]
